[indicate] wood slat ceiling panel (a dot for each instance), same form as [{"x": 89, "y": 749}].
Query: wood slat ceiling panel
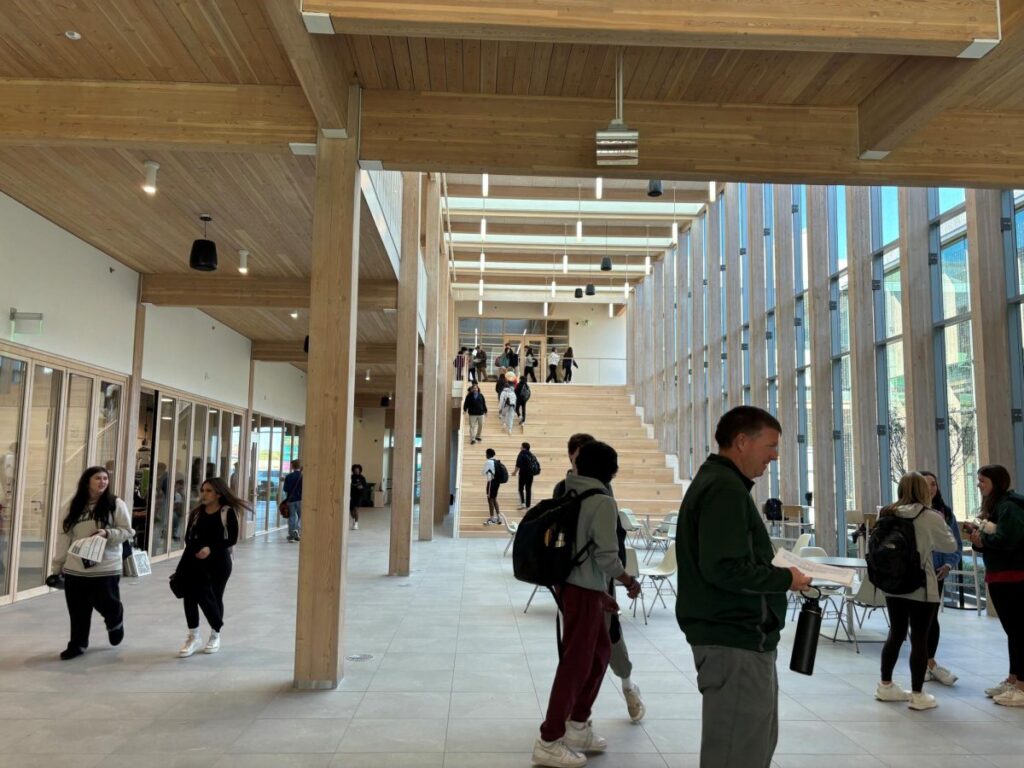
[
  {"x": 260, "y": 202},
  {"x": 197, "y": 41},
  {"x": 277, "y": 325},
  {"x": 662, "y": 74}
]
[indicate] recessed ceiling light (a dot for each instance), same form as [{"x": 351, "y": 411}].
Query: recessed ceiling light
[
  {"x": 73, "y": 35},
  {"x": 295, "y": 315}
]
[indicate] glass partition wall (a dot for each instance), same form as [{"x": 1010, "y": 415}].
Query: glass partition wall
[{"x": 56, "y": 419}]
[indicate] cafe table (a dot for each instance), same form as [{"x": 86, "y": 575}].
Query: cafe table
[{"x": 850, "y": 625}]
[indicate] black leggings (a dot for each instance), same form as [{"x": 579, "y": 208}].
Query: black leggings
[
  {"x": 525, "y": 488},
  {"x": 552, "y": 374},
  {"x": 528, "y": 374},
  {"x": 566, "y": 373},
  {"x": 933, "y": 635},
  {"x": 209, "y": 597},
  {"x": 918, "y": 616},
  {"x": 521, "y": 409},
  {"x": 1008, "y": 599}
]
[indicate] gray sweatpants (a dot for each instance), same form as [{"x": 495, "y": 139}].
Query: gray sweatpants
[
  {"x": 740, "y": 717},
  {"x": 620, "y": 664}
]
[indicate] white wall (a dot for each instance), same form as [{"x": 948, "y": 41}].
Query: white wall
[
  {"x": 368, "y": 443},
  {"x": 279, "y": 390},
  {"x": 189, "y": 350},
  {"x": 87, "y": 298},
  {"x": 598, "y": 341}
]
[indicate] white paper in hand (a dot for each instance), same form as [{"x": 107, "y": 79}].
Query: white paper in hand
[
  {"x": 785, "y": 559},
  {"x": 89, "y": 548}
]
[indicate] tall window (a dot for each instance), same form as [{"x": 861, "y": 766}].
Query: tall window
[
  {"x": 842, "y": 389},
  {"x": 771, "y": 357},
  {"x": 743, "y": 220},
  {"x": 1013, "y": 207},
  {"x": 804, "y": 405}
]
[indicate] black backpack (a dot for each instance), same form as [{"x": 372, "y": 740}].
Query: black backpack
[
  {"x": 524, "y": 391},
  {"x": 773, "y": 510},
  {"x": 544, "y": 550},
  {"x": 534, "y": 464},
  {"x": 894, "y": 564},
  {"x": 500, "y": 472}
]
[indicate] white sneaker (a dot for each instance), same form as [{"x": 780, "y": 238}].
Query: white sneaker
[
  {"x": 556, "y": 755},
  {"x": 941, "y": 675},
  {"x": 891, "y": 692},
  {"x": 580, "y": 737},
  {"x": 355, "y": 526},
  {"x": 634, "y": 704},
  {"x": 1014, "y": 697},
  {"x": 995, "y": 690},
  {"x": 192, "y": 644},
  {"x": 922, "y": 701},
  {"x": 213, "y": 644}
]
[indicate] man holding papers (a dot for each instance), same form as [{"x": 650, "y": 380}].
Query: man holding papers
[{"x": 732, "y": 600}]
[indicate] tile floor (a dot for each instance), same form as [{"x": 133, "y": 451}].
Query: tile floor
[{"x": 458, "y": 679}]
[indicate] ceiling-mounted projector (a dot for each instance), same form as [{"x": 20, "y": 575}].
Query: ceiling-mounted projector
[{"x": 618, "y": 144}]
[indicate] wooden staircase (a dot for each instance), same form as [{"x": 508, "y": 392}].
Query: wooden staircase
[{"x": 555, "y": 411}]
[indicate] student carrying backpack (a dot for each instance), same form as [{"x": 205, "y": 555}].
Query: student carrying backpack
[
  {"x": 894, "y": 564},
  {"x": 500, "y": 473}
]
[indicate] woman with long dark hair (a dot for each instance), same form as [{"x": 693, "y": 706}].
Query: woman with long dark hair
[
  {"x": 568, "y": 363},
  {"x": 913, "y": 610},
  {"x": 943, "y": 562},
  {"x": 205, "y": 565},
  {"x": 1000, "y": 539},
  {"x": 93, "y": 585}
]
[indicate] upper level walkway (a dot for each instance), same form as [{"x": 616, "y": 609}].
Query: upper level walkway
[{"x": 457, "y": 679}]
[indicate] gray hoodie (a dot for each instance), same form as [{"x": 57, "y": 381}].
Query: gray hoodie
[{"x": 597, "y": 524}]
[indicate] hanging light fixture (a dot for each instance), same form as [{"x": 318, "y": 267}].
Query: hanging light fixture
[
  {"x": 485, "y": 184},
  {"x": 625, "y": 291},
  {"x": 579, "y": 212},
  {"x": 545, "y": 309},
  {"x": 578, "y": 293},
  {"x": 565, "y": 248},
  {"x": 647, "y": 251},
  {"x": 483, "y": 261},
  {"x": 606, "y": 260},
  {"x": 611, "y": 309},
  {"x": 480, "y": 307},
  {"x": 598, "y": 188},
  {"x": 149, "y": 185},
  {"x": 243, "y": 262},
  {"x": 203, "y": 257},
  {"x": 565, "y": 263},
  {"x": 712, "y": 191},
  {"x": 591, "y": 290},
  {"x": 483, "y": 222},
  {"x": 481, "y": 286},
  {"x": 553, "y": 288},
  {"x": 367, "y": 374},
  {"x": 675, "y": 224}
]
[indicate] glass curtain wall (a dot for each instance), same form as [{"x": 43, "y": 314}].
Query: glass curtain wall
[
  {"x": 771, "y": 330},
  {"x": 842, "y": 387},
  {"x": 13, "y": 385}
]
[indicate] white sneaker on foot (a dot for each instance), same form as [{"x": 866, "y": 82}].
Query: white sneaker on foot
[
  {"x": 1014, "y": 697},
  {"x": 213, "y": 644},
  {"x": 995, "y": 690},
  {"x": 891, "y": 692},
  {"x": 922, "y": 701},
  {"x": 556, "y": 754},
  {"x": 580, "y": 737},
  {"x": 634, "y": 704},
  {"x": 192, "y": 644},
  {"x": 355, "y": 526},
  {"x": 940, "y": 674}
]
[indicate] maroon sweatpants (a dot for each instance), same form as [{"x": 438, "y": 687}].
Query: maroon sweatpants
[{"x": 586, "y": 651}]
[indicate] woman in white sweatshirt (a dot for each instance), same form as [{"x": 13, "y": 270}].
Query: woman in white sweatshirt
[
  {"x": 93, "y": 585},
  {"x": 916, "y": 609}
]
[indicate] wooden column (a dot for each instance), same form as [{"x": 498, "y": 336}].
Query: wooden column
[
  {"x": 684, "y": 391},
  {"x": 988, "y": 328},
  {"x": 715, "y": 330},
  {"x": 820, "y": 328},
  {"x": 443, "y": 485},
  {"x": 130, "y": 433},
  {"x": 403, "y": 471},
  {"x": 668, "y": 354},
  {"x": 641, "y": 349},
  {"x": 785, "y": 343},
  {"x": 758, "y": 339},
  {"x": 918, "y": 332},
  {"x": 431, "y": 357},
  {"x": 701, "y": 441},
  {"x": 864, "y": 383},
  {"x": 327, "y": 448},
  {"x": 245, "y": 449},
  {"x": 733, "y": 297},
  {"x": 657, "y": 362}
]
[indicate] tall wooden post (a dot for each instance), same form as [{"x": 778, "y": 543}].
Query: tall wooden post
[
  {"x": 327, "y": 448},
  {"x": 820, "y": 328},
  {"x": 712, "y": 234},
  {"x": 733, "y": 297},
  {"x": 130, "y": 433},
  {"x": 431, "y": 358},
  {"x": 918, "y": 334},
  {"x": 698, "y": 340},
  {"x": 785, "y": 344},
  {"x": 758, "y": 339},
  {"x": 684, "y": 391},
  {"x": 443, "y": 486},
  {"x": 863, "y": 382},
  {"x": 988, "y": 329},
  {"x": 406, "y": 381}
]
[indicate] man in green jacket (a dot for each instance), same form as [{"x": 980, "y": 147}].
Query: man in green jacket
[{"x": 732, "y": 600}]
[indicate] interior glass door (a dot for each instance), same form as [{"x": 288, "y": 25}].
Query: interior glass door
[{"x": 13, "y": 375}]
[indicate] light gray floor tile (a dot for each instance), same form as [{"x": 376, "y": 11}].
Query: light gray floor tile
[
  {"x": 388, "y": 760},
  {"x": 313, "y": 704},
  {"x": 475, "y": 706},
  {"x": 403, "y": 706},
  {"x": 370, "y": 735},
  {"x": 290, "y": 735}
]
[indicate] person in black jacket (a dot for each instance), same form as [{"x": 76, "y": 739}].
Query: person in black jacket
[
  {"x": 568, "y": 363},
  {"x": 524, "y": 473},
  {"x": 521, "y": 389},
  {"x": 476, "y": 406},
  {"x": 205, "y": 565},
  {"x": 355, "y": 495},
  {"x": 512, "y": 358}
]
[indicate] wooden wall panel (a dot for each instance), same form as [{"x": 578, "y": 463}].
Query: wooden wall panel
[
  {"x": 701, "y": 440},
  {"x": 733, "y": 297},
  {"x": 785, "y": 344},
  {"x": 715, "y": 332}
]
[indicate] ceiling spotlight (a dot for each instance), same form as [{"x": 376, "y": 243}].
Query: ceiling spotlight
[
  {"x": 485, "y": 184},
  {"x": 73, "y": 35},
  {"x": 591, "y": 290},
  {"x": 578, "y": 293},
  {"x": 480, "y": 307},
  {"x": 606, "y": 263},
  {"x": 618, "y": 144},
  {"x": 149, "y": 185},
  {"x": 367, "y": 374},
  {"x": 654, "y": 188},
  {"x": 203, "y": 257},
  {"x": 243, "y": 262},
  {"x": 598, "y": 188},
  {"x": 294, "y": 314}
]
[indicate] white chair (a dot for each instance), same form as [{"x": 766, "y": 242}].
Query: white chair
[
  {"x": 828, "y": 593},
  {"x": 511, "y": 528},
  {"x": 663, "y": 535},
  {"x": 636, "y": 532},
  {"x": 659, "y": 575},
  {"x": 867, "y": 597},
  {"x": 633, "y": 569},
  {"x": 802, "y": 542}
]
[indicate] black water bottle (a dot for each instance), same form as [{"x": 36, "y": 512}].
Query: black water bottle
[{"x": 805, "y": 643}]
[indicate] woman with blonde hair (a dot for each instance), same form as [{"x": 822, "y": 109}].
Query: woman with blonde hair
[{"x": 914, "y": 608}]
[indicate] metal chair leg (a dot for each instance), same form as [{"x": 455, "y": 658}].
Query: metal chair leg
[{"x": 530, "y": 600}]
